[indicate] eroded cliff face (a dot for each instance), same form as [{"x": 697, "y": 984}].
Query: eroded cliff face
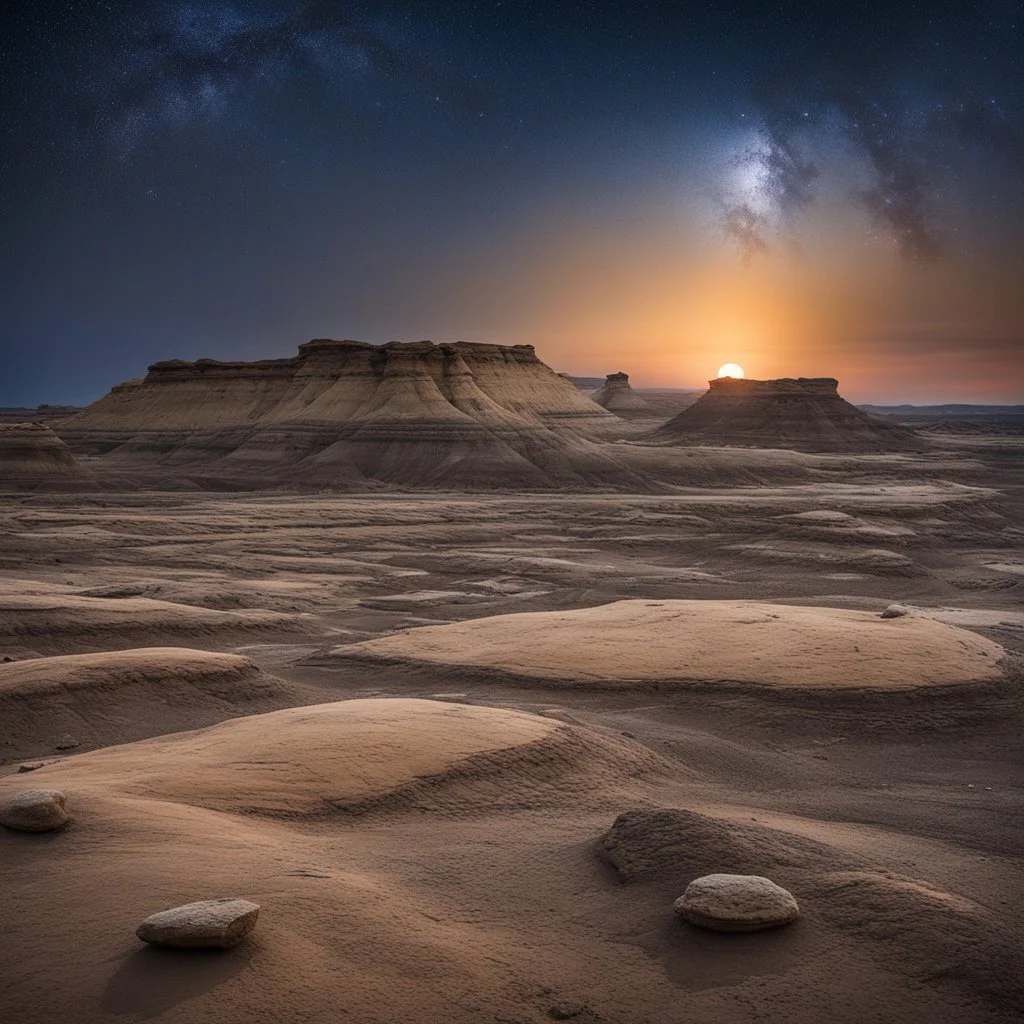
[
  {"x": 803, "y": 413},
  {"x": 618, "y": 396},
  {"x": 346, "y": 413},
  {"x": 33, "y": 457}
]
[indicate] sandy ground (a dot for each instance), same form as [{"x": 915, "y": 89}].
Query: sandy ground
[
  {"x": 428, "y": 837},
  {"x": 629, "y": 642}
]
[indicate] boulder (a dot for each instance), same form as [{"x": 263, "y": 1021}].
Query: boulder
[
  {"x": 736, "y": 903},
  {"x": 35, "y": 810},
  {"x": 208, "y": 924},
  {"x": 895, "y": 611}
]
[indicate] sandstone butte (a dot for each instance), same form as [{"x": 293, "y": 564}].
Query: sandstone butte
[
  {"x": 617, "y": 395},
  {"x": 33, "y": 457},
  {"x": 804, "y": 413},
  {"x": 348, "y": 413}
]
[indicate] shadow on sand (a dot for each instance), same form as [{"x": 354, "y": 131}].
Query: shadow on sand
[{"x": 150, "y": 981}]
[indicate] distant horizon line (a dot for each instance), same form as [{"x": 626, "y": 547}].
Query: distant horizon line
[{"x": 682, "y": 390}]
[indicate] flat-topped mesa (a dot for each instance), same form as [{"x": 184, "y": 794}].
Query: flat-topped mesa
[
  {"x": 334, "y": 381},
  {"x": 33, "y": 457},
  {"x": 780, "y": 386},
  {"x": 617, "y": 395},
  {"x": 343, "y": 413},
  {"x": 802, "y": 413}
]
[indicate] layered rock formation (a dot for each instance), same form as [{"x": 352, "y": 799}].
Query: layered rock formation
[
  {"x": 584, "y": 383},
  {"x": 618, "y": 396},
  {"x": 346, "y": 413},
  {"x": 806, "y": 414},
  {"x": 33, "y": 457}
]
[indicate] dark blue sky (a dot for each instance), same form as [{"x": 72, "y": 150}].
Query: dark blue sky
[{"x": 230, "y": 179}]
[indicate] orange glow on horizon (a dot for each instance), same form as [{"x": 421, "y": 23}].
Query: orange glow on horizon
[{"x": 664, "y": 306}]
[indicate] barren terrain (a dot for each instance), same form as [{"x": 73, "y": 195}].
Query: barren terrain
[{"x": 514, "y": 673}]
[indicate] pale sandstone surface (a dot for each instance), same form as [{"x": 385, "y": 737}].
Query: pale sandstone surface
[{"x": 743, "y": 641}]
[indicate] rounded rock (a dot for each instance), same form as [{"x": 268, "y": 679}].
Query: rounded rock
[
  {"x": 895, "y": 611},
  {"x": 208, "y": 924},
  {"x": 736, "y": 903},
  {"x": 35, "y": 810}
]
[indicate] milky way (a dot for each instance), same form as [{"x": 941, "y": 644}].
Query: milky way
[
  {"x": 918, "y": 96},
  {"x": 181, "y": 62},
  {"x": 226, "y": 172}
]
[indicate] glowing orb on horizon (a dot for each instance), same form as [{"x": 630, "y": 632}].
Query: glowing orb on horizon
[{"x": 731, "y": 370}]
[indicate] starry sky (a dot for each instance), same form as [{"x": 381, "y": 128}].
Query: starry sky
[{"x": 802, "y": 188}]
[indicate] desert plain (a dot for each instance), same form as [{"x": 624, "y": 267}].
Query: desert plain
[{"x": 466, "y": 747}]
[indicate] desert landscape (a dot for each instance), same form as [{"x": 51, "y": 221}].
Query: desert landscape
[
  {"x": 465, "y": 747},
  {"x": 511, "y": 512}
]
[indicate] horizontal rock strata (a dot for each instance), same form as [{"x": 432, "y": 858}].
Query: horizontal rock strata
[
  {"x": 34, "y": 458},
  {"x": 345, "y": 413},
  {"x": 618, "y": 396},
  {"x": 806, "y": 414}
]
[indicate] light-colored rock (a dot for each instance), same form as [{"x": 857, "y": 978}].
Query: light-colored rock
[
  {"x": 895, "y": 611},
  {"x": 805, "y": 414},
  {"x": 214, "y": 924},
  {"x": 344, "y": 413},
  {"x": 736, "y": 903},
  {"x": 618, "y": 396},
  {"x": 35, "y": 810},
  {"x": 678, "y": 642}
]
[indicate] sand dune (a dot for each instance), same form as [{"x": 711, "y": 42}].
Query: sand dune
[
  {"x": 653, "y": 641},
  {"x": 447, "y": 860},
  {"x": 471, "y": 892},
  {"x": 886, "y": 916},
  {"x": 354, "y": 755},
  {"x": 57, "y": 623},
  {"x": 82, "y": 701}
]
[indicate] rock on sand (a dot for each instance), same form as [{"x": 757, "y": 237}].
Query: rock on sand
[
  {"x": 895, "y": 611},
  {"x": 736, "y": 903},
  {"x": 35, "y": 810},
  {"x": 213, "y": 924}
]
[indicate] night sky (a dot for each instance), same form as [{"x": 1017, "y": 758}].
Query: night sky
[{"x": 804, "y": 189}]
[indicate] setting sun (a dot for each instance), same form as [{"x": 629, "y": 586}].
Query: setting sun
[{"x": 730, "y": 370}]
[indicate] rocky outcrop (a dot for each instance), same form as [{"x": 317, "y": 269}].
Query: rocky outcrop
[
  {"x": 346, "y": 414},
  {"x": 618, "y": 396},
  {"x": 34, "y": 458},
  {"x": 584, "y": 383},
  {"x": 806, "y": 414}
]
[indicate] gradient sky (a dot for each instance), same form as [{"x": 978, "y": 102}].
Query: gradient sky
[{"x": 802, "y": 188}]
